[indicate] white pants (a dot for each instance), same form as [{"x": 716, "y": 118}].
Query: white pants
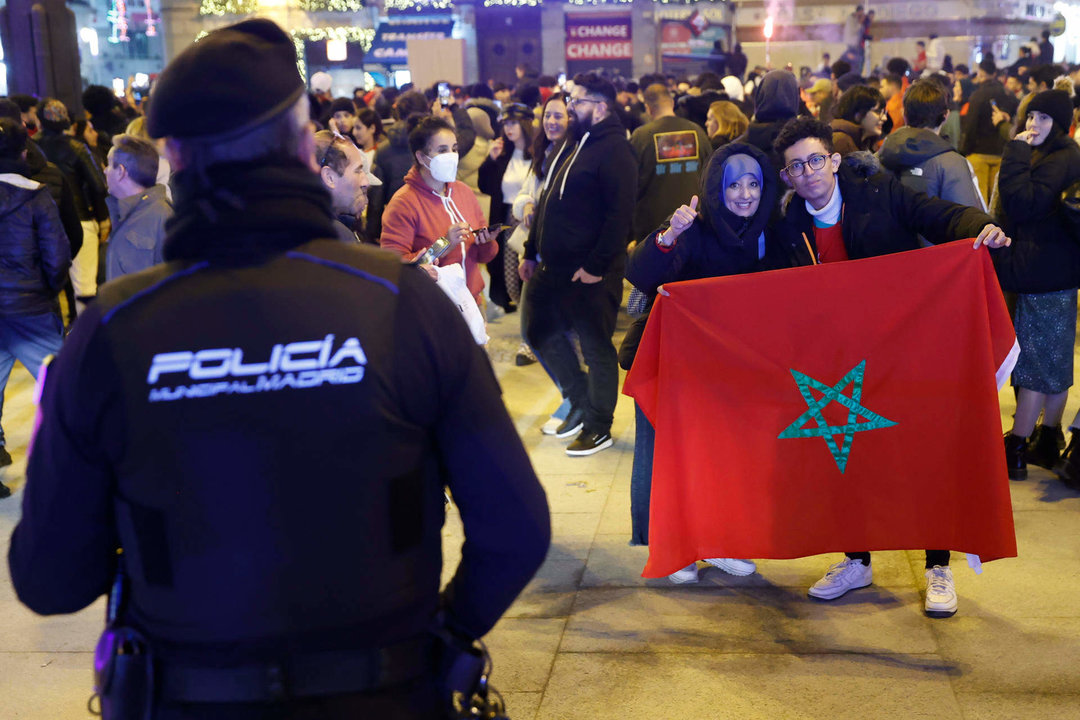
[{"x": 84, "y": 266}]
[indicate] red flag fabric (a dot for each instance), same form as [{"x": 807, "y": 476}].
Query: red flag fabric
[{"x": 842, "y": 407}]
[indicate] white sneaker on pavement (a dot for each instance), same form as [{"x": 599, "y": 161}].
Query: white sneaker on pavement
[
  {"x": 551, "y": 426},
  {"x": 686, "y": 576},
  {"x": 842, "y": 577},
  {"x": 940, "y": 592},
  {"x": 733, "y": 566}
]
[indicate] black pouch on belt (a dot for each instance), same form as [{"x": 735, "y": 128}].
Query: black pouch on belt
[{"x": 123, "y": 664}]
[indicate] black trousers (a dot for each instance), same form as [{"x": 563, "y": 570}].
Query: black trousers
[
  {"x": 933, "y": 557},
  {"x": 556, "y": 306}
]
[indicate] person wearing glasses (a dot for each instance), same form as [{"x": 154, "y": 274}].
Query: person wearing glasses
[
  {"x": 574, "y": 260},
  {"x": 850, "y": 210}
]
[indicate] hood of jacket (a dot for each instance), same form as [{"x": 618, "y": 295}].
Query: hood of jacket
[
  {"x": 35, "y": 159},
  {"x": 910, "y": 147},
  {"x": 15, "y": 191},
  {"x": 724, "y": 223},
  {"x": 398, "y": 135},
  {"x": 777, "y": 97},
  {"x": 849, "y": 128}
]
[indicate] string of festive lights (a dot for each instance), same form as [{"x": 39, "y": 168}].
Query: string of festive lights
[
  {"x": 418, "y": 5},
  {"x": 331, "y": 5},
  {"x": 599, "y": 2},
  {"x": 228, "y": 7},
  {"x": 513, "y": 3},
  {"x": 361, "y": 36},
  {"x": 117, "y": 17},
  {"x": 151, "y": 21}
]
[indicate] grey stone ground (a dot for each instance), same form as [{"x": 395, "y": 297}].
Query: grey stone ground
[{"x": 590, "y": 638}]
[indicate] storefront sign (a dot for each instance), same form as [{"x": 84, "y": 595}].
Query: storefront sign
[
  {"x": 681, "y": 41},
  {"x": 597, "y": 40},
  {"x": 389, "y": 46}
]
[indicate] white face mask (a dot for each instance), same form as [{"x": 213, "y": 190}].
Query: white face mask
[{"x": 443, "y": 167}]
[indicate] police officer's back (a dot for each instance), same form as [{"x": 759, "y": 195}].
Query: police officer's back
[{"x": 265, "y": 424}]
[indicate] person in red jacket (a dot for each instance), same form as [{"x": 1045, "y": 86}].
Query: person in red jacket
[{"x": 433, "y": 204}]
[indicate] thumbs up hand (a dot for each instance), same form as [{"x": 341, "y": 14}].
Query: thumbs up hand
[{"x": 683, "y": 218}]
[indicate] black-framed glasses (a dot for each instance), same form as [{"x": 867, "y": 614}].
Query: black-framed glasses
[
  {"x": 798, "y": 167},
  {"x": 574, "y": 101}
]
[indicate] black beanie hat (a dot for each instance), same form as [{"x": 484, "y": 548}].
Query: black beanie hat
[
  {"x": 232, "y": 80},
  {"x": 1055, "y": 103}
]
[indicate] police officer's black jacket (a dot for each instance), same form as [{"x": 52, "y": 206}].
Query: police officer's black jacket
[{"x": 265, "y": 424}]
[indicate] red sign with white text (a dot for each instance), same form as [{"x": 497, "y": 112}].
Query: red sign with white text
[{"x": 598, "y": 40}]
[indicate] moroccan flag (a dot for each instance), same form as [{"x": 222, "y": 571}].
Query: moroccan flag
[{"x": 841, "y": 407}]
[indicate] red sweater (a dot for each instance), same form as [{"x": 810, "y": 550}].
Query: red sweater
[{"x": 416, "y": 217}]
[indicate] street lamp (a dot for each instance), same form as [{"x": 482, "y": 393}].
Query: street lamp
[{"x": 768, "y": 36}]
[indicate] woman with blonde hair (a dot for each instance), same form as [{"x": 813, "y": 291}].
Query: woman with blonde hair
[{"x": 725, "y": 122}]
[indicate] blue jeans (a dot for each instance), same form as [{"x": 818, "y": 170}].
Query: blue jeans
[
  {"x": 28, "y": 339},
  {"x": 641, "y": 477}
]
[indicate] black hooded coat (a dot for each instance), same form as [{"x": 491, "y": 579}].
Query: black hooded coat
[{"x": 718, "y": 243}]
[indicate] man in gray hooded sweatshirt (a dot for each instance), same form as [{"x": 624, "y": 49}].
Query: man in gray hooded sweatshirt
[{"x": 921, "y": 158}]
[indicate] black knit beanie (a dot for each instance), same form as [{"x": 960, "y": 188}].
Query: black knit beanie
[{"x": 232, "y": 80}]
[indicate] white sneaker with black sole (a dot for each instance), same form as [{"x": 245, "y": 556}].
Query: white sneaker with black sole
[
  {"x": 688, "y": 575},
  {"x": 940, "y": 592},
  {"x": 842, "y": 578},
  {"x": 589, "y": 443},
  {"x": 733, "y": 566}
]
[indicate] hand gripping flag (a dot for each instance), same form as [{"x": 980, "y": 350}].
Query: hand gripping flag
[{"x": 842, "y": 407}]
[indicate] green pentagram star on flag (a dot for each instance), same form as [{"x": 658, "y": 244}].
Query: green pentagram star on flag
[{"x": 834, "y": 394}]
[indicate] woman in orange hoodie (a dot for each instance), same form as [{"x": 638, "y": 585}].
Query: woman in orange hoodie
[{"x": 433, "y": 204}]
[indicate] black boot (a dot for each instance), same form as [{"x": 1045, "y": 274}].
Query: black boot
[
  {"x": 5, "y": 491},
  {"x": 1016, "y": 456},
  {"x": 1068, "y": 468},
  {"x": 1045, "y": 446}
]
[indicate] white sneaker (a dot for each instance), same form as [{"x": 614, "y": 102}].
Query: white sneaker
[
  {"x": 842, "y": 577},
  {"x": 940, "y": 592},
  {"x": 733, "y": 566},
  {"x": 686, "y": 576},
  {"x": 551, "y": 426}
]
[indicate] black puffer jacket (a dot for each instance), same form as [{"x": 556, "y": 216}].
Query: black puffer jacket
[
  {"x": 48, "y": 174},
  {"x": 34, "y": 251},
  {"x": 81, "y": 170},
  {"x": 1045, "y": 254},
  {"x": 879, "y": 216},
  {"x": 718, "y": 243}
]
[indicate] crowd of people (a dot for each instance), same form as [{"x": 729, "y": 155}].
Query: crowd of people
[{"x": 540, "y": 199}]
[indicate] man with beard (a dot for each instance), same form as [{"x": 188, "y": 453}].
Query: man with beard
[
  {"x": 574, "y": 259},
  {"x": 344, "y": 170}
]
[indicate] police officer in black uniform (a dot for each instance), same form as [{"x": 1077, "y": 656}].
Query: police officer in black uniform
[{"x": 265, "y": 425}]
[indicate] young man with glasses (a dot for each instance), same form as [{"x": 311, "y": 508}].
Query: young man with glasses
[
  {"x": 848, "y": 210},
  {"x": 574, "y": 260}
]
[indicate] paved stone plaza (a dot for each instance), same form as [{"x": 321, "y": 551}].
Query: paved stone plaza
[{"x": 591, "y": 639}]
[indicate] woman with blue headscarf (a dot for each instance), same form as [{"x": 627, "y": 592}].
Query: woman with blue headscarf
[{"x": 721, "y": 232}]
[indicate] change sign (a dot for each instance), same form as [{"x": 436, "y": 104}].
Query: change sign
[{"x": 596, "y": 40}]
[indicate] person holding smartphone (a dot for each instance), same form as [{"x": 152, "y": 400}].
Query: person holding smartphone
[{"x": 433, "y": 204}]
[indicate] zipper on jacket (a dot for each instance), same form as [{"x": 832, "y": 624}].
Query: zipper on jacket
[{"x": 810, "y": 249}]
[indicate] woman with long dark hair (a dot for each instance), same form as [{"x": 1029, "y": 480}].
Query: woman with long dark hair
[
  {"x": 858, "y": 119},
  {"x": 502, "y": 176},
  {"x": 1043, "y": 269}
]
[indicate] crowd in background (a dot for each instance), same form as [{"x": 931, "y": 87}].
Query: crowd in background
[{"x": 541, "y": 197}]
